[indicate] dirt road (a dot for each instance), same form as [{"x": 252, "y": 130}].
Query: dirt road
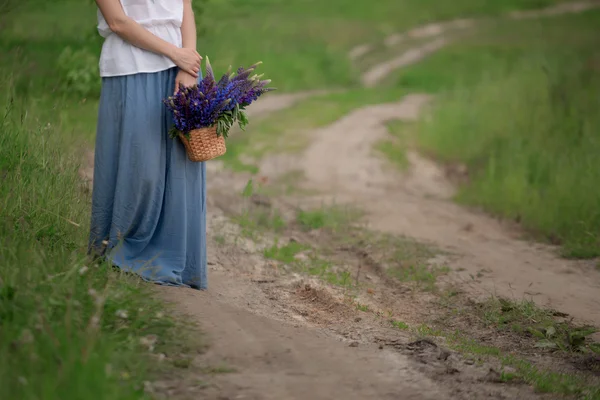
[
  {"x": 276, "y": 355},
  {"x": 281, "y": 360}
]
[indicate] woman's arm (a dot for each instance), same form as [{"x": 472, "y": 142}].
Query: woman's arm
[
  {"x": 188, "y": 36},
  {"x": 188, "y": 26},
  {"x": 186, "y": 58}
]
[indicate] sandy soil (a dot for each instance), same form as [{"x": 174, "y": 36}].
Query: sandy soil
[{"x": 278, "y": 360}]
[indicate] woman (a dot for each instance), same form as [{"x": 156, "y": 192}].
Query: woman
[{"x": 149, "y": 200}]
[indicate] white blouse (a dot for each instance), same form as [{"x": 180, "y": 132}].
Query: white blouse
[{"x": 161, "y": 17}]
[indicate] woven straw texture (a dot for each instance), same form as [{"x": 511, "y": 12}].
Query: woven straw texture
[{"x": 203, "y": 144}]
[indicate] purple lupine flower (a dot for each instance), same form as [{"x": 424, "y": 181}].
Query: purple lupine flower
[{"x": 204, "y": 104}]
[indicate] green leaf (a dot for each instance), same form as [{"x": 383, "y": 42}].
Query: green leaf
[
  {"x": 550, "y": 331},
  {"x": 537, "y": 333},
  {"x": 586, "y": 331},
  {"x": 242, "y": 120},
  {"x": 243, "y": 117},
  {"x": 173, "y": 133},
  {"x": 562, "y": 346},
  {"x": 595, "y": 347},
  {"x": 248, "y": 189}
]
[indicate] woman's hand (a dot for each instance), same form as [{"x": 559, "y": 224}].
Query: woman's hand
[
  {"x": 185, "y": 79},
  {"x": 187, "y": 60}
]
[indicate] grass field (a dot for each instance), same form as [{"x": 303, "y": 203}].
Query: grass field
[
  {"x": 519, "y": 107},
  {"x": 69, "y": 329}
]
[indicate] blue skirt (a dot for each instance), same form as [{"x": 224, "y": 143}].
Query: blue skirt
[{"x": 149, "y": 200}]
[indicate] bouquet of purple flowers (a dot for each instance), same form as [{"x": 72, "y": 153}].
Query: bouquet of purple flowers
[{"x": 216, "y": 104}]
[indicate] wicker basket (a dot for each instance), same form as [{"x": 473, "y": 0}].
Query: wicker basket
[{"x": 203, "y": 144}]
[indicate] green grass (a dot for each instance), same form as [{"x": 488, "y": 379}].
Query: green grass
[
  {"x": 518, "y": 105},
  {"x": 527, "y": 319},
  {"x": 400, "y": 325},
  {"x": 254, "y": 220},
  {"x": 325, "y": 270},
  {"x": 552, "y": 382},
  {"x": 399, "y": 252},
  {"x": 257, "y": 220},
  {"x": 305, "y": 259},
  {"x": 542, "y": 380},
  {"x": 333, "y": 218},
  {"x": 425, "y": 276},
  {"x": 513, "y": 367},
  {"x": 285, "y": 254},
  {"x": 69, "y": 328},
  {"x": 395, "y": 147}
]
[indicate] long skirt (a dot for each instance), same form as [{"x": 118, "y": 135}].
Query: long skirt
[{"x": 149, "y": 200}]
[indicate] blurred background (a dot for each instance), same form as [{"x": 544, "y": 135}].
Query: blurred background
[{"x": 516, "y": 106}]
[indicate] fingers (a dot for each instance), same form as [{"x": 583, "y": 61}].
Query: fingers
[
  {"x": 190, "y": 62},
  {"x": 192, "y": 71},
  {"x": 197, "y": 58},
  {"x": 197, "y": 64}
]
